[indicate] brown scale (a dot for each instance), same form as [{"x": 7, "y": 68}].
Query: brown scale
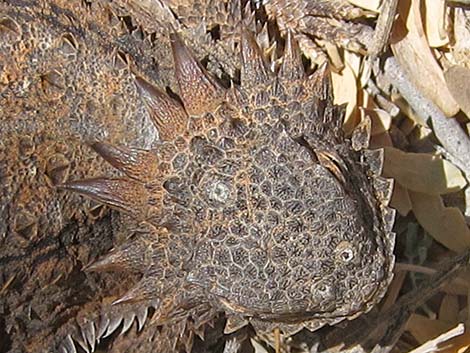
[
  {"x": 254, "y": 205},
  {"x": 64, "y": 82},
  {"x": 335, "y": 21}
]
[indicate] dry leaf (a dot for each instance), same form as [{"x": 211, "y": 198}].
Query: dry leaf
[
  {"x": 407, "y": 110},
  {"x": 394, "y": 290},
  {"x": 445, "y": 224},
  {"x": 457, "y": 78},
  {"x": 422, "y": 172},
  {"x": 407, "y": 126},
  {"x": 455, "y": 288},
  {"x": 371, "y": 5},
  {"x": 412, "y": 51},
  {"x": 333, "y": 53},
  {"x": 459, "y": 285},
  {"x": 435, "y": 22},
  {"x": 380, "y": 119},
  {"x": 424, "y": 329},
  {"x": 442, "y": 341},
  {"x": 449, "y": 309},
  {"x": 400, "y": 199},
  {"x": 461, "y": 36},
  {"x": 258, "y": 347},
  {"x": 380, "y": 140},
  {"x": 345, "y": 85},
  {"x": 459, "y": 344}
]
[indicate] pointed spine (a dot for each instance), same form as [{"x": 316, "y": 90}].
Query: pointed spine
[
  {"x": 114, "y": 323},
  {"x": 128, "y": 320},
  {"x": 292, "y": 67},
  {"x": 361, "y": 135},
  {"x": 234, "y": 323},
  {"x": 89, "y": 334},
  {"x": 123, "y": 194},
  {"x": 69, "y": 345},
  {"x": 81, "y": 341},
  {"x": 102, "y": 326},
  {"x": 383, "y": 189},
  {"x": 320, "y": 83},
  {"x": 199, "y": 91},
  {"x": 388, "y": 218},
  {"x": 147, "y": 288},
  {"x": 133, "y": 256},
  {"x": 375, "y": 160},
  {"x": 254, "y": 70},
  {"x": 166, "y": 113},
  {"x": 136, "y": 163},
  {"x": 142, "y": 314}
]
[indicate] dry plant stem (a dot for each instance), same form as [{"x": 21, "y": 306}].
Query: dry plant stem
[
  {"x": 381, "y": 101},
  {"x": 391, "y": 323},
  {"x": 383, "y": 27},
  {"x": 408, "y": 303},
  {"x": 424, "y": 270},
  {"x": 433, "y": 345},
  {"x": 394, "y": 289},
  {"x": 277, "y": 339},
  {"x": 448, "y": 131}
]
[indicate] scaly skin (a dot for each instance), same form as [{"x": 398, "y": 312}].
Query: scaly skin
[
  {"x": 64, "y": 83},
  {"x": 255, "y": 205},
  {"x": 244, "y": 207}
]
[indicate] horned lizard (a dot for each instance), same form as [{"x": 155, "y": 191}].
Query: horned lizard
[{"x": 252, "y": 203}]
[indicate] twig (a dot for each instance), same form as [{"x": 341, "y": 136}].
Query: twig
[
  {"x": 432, "y": 345},
  {"x": 448, "y": 131},
  {"x": 277, "y": 339},
  {"x": 383, "y": 27},
  {"x": 401, "y": 266},
  {"x": 462, "y": 2},
  {"x": 382, "y": 102}
]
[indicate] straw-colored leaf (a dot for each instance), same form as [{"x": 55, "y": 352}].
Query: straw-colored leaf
[
  {"x": 371, "y": 5},
  {"x": 457, "y": 78},
  {"x": 380, "y": 119},
  {"x": 422, "y": 172},
  {"x": 455, "y": 288},
  {"x": 407, "y": 110},
  {"x": 412, "y": 51},
  {"x": 449, "y": 309},
  {"x": 435, "y": 22},
  {"x": 460, "y": 285},
  {"x": 400, "y": 199},
  {"x": 257, "y": 346},
  {"x": 460, "y": 37},
  {"x": 443, "y": 341},
  {"x": 381, "y": 140},
  {"x": 424, "y": 329},
  {"x": 459, "y": 344},
  {"x": 394, "y": 290},
  {"x": 345, "y": 86},
  {"x": 445, "y": 224}
]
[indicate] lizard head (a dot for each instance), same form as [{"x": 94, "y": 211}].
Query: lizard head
[{"x": 254, "y": 203}]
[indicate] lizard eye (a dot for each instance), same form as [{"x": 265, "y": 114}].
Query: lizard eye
[
  {"x": 345, "y": 252},
  {"x": 347, "y": 255}
]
